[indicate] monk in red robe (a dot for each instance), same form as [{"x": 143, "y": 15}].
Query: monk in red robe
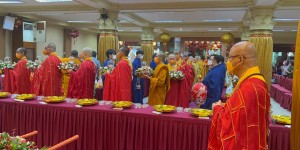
[
  {"x": 172, "y": 97},
  {"x": 242, "y": 122},
  {"x": 49, "y": 81},
  {"x": 117, "y": 85},
  {"x": 21, "y": 74},
  {"x": 81, "y": 84},
  {"x": 187, "y": 83}
]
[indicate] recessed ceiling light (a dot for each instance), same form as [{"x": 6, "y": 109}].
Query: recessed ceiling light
[
  {"x": 137, "y": 30},
  {"x": 121, "y": 30},
  {"x": 283, "y": 19},
  {"x": 218, "y": 20},
  {"x": 218, "y": 30},
  {"x": 278, "y": 30},
  {"x": 11, "y": 2},
  {"x": 52, "y": 1},
  {"x": 294, "y": 30},
  {"x": 168, "y": 21},
  {"x": 79, "y": 21}
]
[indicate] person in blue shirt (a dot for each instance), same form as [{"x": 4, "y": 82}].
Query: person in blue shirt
[
  {"x": 137, "y": 83},
  {"x": 111, "y": 55},
  {"x": 214, "y": 81},
  {"x": 223, "y": 72},
  {"x": 152, "y": 63},
  {"x": 97, "y": 63}
]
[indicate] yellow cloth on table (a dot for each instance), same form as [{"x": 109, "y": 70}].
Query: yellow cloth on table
[
  {"x": 159, "y": 85},
  {"x": 66, "y": 76}
]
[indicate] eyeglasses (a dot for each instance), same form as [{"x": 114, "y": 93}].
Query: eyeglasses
[{"x": 236, "y": 56}]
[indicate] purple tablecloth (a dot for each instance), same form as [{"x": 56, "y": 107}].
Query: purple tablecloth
[{"x": 101, "y": 127}]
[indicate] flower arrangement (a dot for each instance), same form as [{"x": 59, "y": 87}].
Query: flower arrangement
[
  {"x": 67, "y": 66},
  {"x": 176, "y": 75},
  {"x": 145, "y": 70},
  {"x": 105, "y": 70},
  {"x": 16, "y": 143},
  {"x": 31, "y": 65},
  {"x": 8, "y": 65}
]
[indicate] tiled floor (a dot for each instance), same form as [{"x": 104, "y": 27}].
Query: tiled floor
[{"x": 276, "y": 108}]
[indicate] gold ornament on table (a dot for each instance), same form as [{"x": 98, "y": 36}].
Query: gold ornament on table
[
  {"x": 227, "y": 38},
  {"x": 164, "y": 108},
  {"x": 282, "y": 119},
  {"x": 4, "y": 94},
  {"x": 25, "y": 96},
  {"x": 87, "y": 102},
  {"x": 122, "y": 104},
  {"x": 54, "y": 99},
  {"x": 201, "y": 112}
]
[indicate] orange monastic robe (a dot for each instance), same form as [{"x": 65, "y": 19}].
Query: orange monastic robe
[
  {"x": 159, "y": 85},
  {"x": 66, "y": 75},
  {"x": 49, "y": 81},
  {"x": 82, "y": 81},
  {"x": 117, "y": 85},
  {"x": 21, "y": 75},
  {"x": 243, "y": 121}
]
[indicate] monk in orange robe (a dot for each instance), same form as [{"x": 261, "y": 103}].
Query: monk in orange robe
[
  {"x": 172, "y": 97},
  {"x": 117, "y": 85},
  {"x": 242, "y": 122},
  {"x": 82, "y": 81},
  {"x": 21, "y": 74},
  {"x": 65, "y": 74},
  {"x": 160, "y": 82},
  {"x": 49, "y": 81},
  {"x": 187, "y": 83}
]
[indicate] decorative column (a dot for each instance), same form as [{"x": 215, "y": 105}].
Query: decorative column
[
  {"x": 108, "y": 37},
  {"x": 245, "y": 34},
  {"x": 295, "y": 130},
  {"x": 261, "y": 27},
  {"x": 147, "y": 38}
]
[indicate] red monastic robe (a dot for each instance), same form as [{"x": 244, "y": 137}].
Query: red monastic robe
[
  {"x": 49, "y": 81},
  {"x": 243, "y": 121},
  {"x": 8, "y": 78},
  {"x": 186, "y": 84},
  {"x": 172, "y": 97},
  {"x": 117, "y": 85},
  {"x": 81, "y": 84},
  {"x": 21, "y": 78}
]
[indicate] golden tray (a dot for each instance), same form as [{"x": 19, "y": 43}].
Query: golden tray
[
  {"x": 164, "y": 108},
  {"x": 25, "y": 96},
  {"x": 122, "y": 104},
  {"x": 54, "y": 99},
  {"x": 87, "y": 102},
  {"x": 282, "y": 119},
  {"x": 198, "y": 112},
  {"x": 4, "y": 94}
]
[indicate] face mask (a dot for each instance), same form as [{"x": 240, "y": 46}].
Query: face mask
[
  {"x": 156, "y": 60},
  {"x": 209, "y": 62},
  {"x": 230, "y": 67},
  {"x": 114, "y": 57},
  {"x": 18, "y": 55},
  {"x": 45, "y": 52},
  {"x": 141, "y": 56}
]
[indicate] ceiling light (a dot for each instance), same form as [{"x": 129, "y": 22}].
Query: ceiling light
[
  {"x": 11, "y": 2},
  {"x": 52, "y": 1},
  {"x": 281, "y": 19},
  {"x": 121, "y": 30},
  {"x": 137, "y": 30},
  {"x": 294, "y": 30},
  {"x": 278, "y": 30},
  {"x": 168, "y": 21},
  {"x": 218, "y": 20},
  {"x": 218, "y": 30},
  {"x": 79, "y": 21}
]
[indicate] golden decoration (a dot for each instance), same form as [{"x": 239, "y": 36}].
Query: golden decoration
[
  {"x": 227, "y": 38},
  {"x": 54, "y": 99},
  {"x": 282, "y": 119},
  {"x": 87, "y": 102},
  {"x": 164, "y": 37},
  {"x": 201, "y": 112},
  {"x": 4, "y": 94},
  {"x": 164, "y": 108},
  {"x": 25, "y": 96},
  {"x": 122, "y": 104}
]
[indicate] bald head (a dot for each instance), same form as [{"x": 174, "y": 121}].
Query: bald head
[
  {"x": 22, "y": 50},
  {"x": 87, "y": 52},
  {"x": 51, "y": 46}
]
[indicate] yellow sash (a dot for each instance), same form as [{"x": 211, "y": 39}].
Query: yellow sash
[{"x": 250, "y": 71}]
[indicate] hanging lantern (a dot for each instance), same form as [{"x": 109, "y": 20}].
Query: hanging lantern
[
  {"x": 165, "y": 37},
  {"x": 227, "y": 38},
  {"x": 74, "y": 34}
]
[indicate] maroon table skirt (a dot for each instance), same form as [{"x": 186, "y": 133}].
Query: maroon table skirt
[{"x": 101, "y": 127}]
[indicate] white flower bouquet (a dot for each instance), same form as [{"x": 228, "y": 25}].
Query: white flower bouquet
[
  {"x": 145, "y": 70},
  {"x": 67, "y": 66},
  {"x": 31, "y": 65},
  {"x": 105, "y": 70},
  {"x": 176, "y": 75}
]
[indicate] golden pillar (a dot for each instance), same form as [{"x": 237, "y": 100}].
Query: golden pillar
[
  {"x": 261, "y": 27},
  {"x": 108, "y": 37},
  {"x": 295, "y": 130},
  {"x": 147, "y": 38}
]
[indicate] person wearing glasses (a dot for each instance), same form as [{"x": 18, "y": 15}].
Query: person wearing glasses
[{"x": 242, "y": 122}]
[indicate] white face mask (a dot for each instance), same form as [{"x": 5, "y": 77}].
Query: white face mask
[
  {"x": 114, "y": 57},
  {"x": 141, "y": 56},
  {"x": 209, "y": 62}
]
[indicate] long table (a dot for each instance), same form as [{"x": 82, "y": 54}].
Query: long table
[{"x": 101, "y": 127}]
